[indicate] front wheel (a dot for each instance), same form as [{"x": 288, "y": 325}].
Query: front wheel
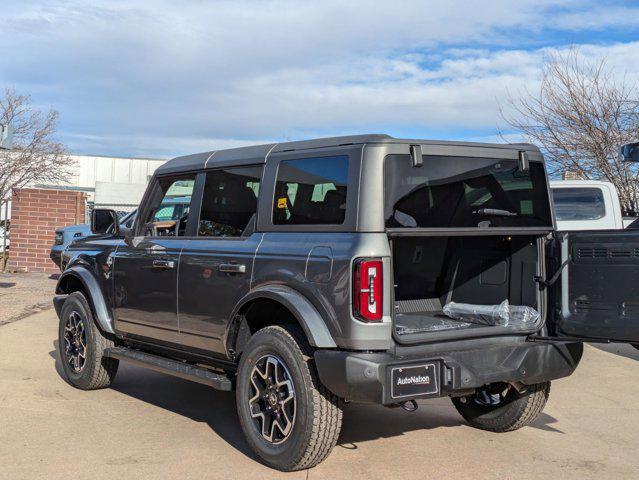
[
  {"x": 289, "y": 418},
  {"x": 500, "y": 407},
  {"x": 81, "y": 345}
]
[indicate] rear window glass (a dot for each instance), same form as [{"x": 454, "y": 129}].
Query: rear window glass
[
  {"x": 578, "y": 203},
  {"x": 311, "y": 191},
  {"x": 464, "y": 192}
]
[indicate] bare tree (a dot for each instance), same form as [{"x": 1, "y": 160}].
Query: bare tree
[
  {"x": 580, "y": 117},
  {"x": 35, "y": 156}
]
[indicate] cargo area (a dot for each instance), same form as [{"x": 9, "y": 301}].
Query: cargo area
[{"x": 430, "y": 272}]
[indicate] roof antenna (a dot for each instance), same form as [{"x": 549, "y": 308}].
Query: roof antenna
[
  {"x": 523, "y": 161},
  {"x": 416, "y": 155}
]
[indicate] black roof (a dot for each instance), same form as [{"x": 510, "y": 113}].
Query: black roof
[{"x": 258, "y": 153}]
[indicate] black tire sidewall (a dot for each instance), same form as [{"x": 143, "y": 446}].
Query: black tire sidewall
[
  {"x": 484, "y": 413},
  {"x": 77, "y": 303},
  {"x": 500, "y": 417},
  {"x": 273, "y": 342}
]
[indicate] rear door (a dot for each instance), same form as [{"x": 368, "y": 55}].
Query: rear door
[
  {"x": 597, "y": 295},
  {"x": 216, "y": 264}
]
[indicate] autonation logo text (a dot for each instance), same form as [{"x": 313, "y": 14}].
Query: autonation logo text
[{"x": 414, "y": 380}]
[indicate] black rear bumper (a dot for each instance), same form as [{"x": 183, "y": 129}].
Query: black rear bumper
[{"x": 367, "y": 377}]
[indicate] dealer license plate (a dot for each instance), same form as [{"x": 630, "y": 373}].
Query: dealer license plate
[{"x": 415, "y": 380}]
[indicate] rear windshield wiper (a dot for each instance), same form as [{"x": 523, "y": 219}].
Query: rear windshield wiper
[{"x": 495, "y": 212}]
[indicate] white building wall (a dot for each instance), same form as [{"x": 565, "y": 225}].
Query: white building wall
[{"x": 91, "y": 169}]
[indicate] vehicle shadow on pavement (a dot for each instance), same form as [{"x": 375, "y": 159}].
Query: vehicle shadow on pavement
[
  {"x": 189, "y": 399},
  {"x": 621, "y": 349},
  {"x": 217, "y": 409}
]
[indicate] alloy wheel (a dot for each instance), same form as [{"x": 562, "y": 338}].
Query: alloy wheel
[
  {"x": 272, "y": 402},
  {"x": 75, "y": 342}
]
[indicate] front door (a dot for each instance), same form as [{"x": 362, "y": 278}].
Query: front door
[
  {"x": 145, "y": 268},
  {"x": 597, "y": 295},
  {"x": 216, "y": 266}
]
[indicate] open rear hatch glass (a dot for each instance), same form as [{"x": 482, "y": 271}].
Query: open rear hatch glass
[{"x": 470, "y": 192}]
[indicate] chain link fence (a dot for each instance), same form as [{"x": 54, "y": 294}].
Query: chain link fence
[{"x": 122, "y": 209}]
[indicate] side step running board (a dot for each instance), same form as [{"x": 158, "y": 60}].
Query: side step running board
[{"x": 171, "y": 367}]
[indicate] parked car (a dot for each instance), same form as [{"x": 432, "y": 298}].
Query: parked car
[
  {"x": 171, "y": 209},
  {"x": 586, "y": 205},
  {"x": 351, "y": 269},
  {"x": 65, "y": 235}
]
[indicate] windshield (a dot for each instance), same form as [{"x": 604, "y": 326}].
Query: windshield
[{"x": 464, "y": 192}]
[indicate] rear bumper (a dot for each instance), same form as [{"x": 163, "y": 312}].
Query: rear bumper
[{"x": 367, "y": 377}]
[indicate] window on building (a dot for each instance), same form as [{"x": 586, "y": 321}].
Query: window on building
[
  {"x": 311, "y": 191},
  {"x": 229, "y": 203}
]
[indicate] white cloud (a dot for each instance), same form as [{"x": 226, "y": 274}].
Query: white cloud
[{"x": 165, "y": 77}]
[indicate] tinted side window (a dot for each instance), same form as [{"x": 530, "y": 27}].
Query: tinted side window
[
  {"x": 229, "y": 203},
  {"x": 578, "y": 203},
  {"x": 170, "y": 207},
  {"x": 311, "y": 191}
]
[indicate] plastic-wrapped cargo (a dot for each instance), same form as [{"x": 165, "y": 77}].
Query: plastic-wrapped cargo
[{"x": 503, "y": 314}]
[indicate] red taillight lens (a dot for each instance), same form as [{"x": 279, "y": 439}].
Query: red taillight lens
[{"x": 368, "y": 289}]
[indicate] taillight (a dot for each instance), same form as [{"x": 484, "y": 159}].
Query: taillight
[{"x": 368, "y": 290}]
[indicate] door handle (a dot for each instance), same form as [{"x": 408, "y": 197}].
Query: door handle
[
  {"x": 232, "y": 268},
  {"x": 163, "y": 264}
]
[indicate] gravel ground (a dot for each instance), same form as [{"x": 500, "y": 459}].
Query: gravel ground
[{"x": 22, "y": 294}]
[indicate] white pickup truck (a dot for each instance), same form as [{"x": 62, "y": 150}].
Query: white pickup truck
[{"x": 586, "y": 205}]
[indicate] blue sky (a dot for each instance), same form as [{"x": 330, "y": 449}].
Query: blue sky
[{"x": 160, "y": 78}]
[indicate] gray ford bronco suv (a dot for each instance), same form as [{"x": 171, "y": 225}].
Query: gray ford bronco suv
[{"x": 307, "y": 274}]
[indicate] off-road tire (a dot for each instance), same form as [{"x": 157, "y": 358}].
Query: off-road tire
[
  {"x": 98, "y": 371},
  {"x": 318, "y": 417},
  {"x": 519, "y": 409}
]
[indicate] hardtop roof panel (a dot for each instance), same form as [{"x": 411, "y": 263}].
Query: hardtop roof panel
[{"x": 258, "y": 153}]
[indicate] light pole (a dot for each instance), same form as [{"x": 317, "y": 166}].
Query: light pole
[
  {"x": 6, "y": 136},
  {"x": 6, "y": 142}
]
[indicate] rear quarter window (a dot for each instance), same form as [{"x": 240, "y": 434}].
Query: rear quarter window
[{"x": 311, "y": 191}]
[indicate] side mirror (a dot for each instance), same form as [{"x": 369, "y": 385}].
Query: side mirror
[
  {"x": 629, "y": 152},
  {"x": 102, "y": 219}
]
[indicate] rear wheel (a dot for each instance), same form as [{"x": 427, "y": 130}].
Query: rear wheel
[
  {"x": 500, "y": 407},
  {"x": 289, "y": 419},
  {"x": 81, "y": 346}
]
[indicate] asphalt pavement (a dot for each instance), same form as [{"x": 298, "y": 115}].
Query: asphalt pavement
[{"x": 152, "y": 426}]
